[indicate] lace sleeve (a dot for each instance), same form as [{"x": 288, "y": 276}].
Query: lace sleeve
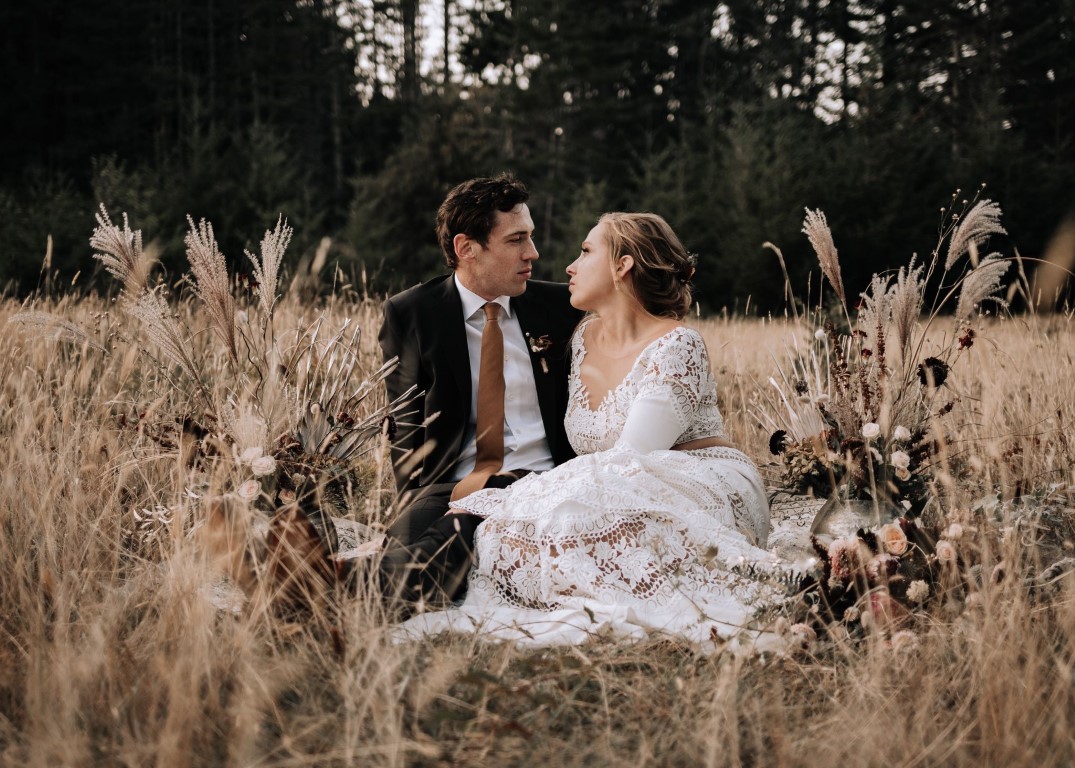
[{"x": 678, "y": 372}]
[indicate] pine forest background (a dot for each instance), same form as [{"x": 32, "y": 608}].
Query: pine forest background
[{"x": 353, "y": 118}]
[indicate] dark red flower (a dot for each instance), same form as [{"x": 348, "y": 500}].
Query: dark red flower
[
  {"x": 778, "y": 442},
  {"x": 932, "y": 372},
  {"x": 967, "y": 339}
]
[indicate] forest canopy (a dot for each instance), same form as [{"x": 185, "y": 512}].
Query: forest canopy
[{"x": 352, "y": 119}]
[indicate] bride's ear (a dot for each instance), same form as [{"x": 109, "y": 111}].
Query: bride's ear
[{"x": 624, "y": 265}]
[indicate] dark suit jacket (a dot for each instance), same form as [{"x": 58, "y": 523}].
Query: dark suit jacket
[{"x": 424, "y": 327}]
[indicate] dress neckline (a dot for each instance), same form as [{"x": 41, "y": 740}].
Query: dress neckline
[{"x": 583, "y": 391}]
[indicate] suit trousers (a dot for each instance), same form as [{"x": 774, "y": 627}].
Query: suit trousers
[{"x": 429, "y": 552}]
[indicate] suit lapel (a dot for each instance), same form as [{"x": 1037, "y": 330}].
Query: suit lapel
[
  {"x": 450, "y": 328},
  {"x": 533, "y": 319}
]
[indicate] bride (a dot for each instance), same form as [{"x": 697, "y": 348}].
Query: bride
[{"x": 654, "y": 527}]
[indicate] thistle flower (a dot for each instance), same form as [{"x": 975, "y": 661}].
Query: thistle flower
[
  {"x": 816, "y": 228},
  {"x": 977, "y": 225},
  {"x": 932, "y": 372},
  {"x": 778, "y": 442},
  {"x": 918, "y": 591}
]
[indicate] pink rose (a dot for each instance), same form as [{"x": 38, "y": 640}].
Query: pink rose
[
  {"x": 893, "y": 539},
  {"x": 946, "y": 552},
  {"x": 249, "y": 490}
]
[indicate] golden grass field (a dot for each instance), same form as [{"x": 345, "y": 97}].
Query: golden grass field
[{"x": 111, "y": 655}]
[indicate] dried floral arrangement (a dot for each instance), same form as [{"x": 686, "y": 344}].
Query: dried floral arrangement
[
  {"x": 858, "y": 417},
  {"x": 859, "y": 413},
  {"x": 288, "y": 422}
]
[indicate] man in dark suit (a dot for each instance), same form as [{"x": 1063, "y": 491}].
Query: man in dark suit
[{"x": 435, "y": 329}]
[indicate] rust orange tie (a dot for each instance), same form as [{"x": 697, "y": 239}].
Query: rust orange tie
[{"x": 489, "y": 432}]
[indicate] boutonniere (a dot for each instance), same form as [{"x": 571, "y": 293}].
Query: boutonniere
[{"x": 538, "y": 345}]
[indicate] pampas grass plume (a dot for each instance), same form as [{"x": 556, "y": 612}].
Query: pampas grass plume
[
  {"x": 211, "y": 282},
  {"x": 977, "y": 225}
]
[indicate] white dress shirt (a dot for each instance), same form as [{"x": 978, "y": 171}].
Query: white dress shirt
[{"x": 525, "y": 444}]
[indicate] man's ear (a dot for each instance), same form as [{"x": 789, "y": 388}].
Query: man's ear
[{"x": 464, "y": 247}]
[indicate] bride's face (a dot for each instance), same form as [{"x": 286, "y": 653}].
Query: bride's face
[{"x": 592, "y": 278}]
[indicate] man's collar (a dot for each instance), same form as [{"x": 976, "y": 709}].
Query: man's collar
[{"x": 472, "y": 302}]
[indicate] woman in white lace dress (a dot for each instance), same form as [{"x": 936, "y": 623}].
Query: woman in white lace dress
[{"x": 654, "y": 527}]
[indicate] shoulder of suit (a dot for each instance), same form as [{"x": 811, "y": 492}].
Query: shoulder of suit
[
  {"x": 546, "y": 286},
  {"x": 548, "y": 292},
  {"x": 418, "y": 292}
]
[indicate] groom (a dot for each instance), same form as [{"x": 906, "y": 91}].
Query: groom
[{"x": 438, "y": 331}]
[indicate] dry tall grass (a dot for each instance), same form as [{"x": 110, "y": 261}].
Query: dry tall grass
[{"x": 111, "y": 654}]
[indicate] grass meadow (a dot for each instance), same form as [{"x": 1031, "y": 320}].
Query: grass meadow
[{"x": 110, "y": 653}]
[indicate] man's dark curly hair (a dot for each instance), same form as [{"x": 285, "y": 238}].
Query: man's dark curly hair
[{"x": 470, "y": 209}]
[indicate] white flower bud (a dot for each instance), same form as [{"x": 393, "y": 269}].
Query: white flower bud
[
  {"x": 900, "y": 460},
  {"x": 946, "y": 553},
  {"x": 901, "y": 433},
  {"x": 249, "y": 490},
  {"x": 263, "y": 465},
  {"x": 249, "y": 454}
]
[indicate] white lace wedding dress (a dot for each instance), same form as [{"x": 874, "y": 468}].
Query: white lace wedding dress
[{"x": 629, "y": 538}]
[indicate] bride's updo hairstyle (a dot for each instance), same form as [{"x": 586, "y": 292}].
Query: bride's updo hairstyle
[{"x": 662, "y": 267}]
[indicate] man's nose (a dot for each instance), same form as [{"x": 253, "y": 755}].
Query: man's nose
[{"x": 532, "y": 252}]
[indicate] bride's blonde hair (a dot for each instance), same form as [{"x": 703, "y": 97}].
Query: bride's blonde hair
[{"x": 662, "y": 266}]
